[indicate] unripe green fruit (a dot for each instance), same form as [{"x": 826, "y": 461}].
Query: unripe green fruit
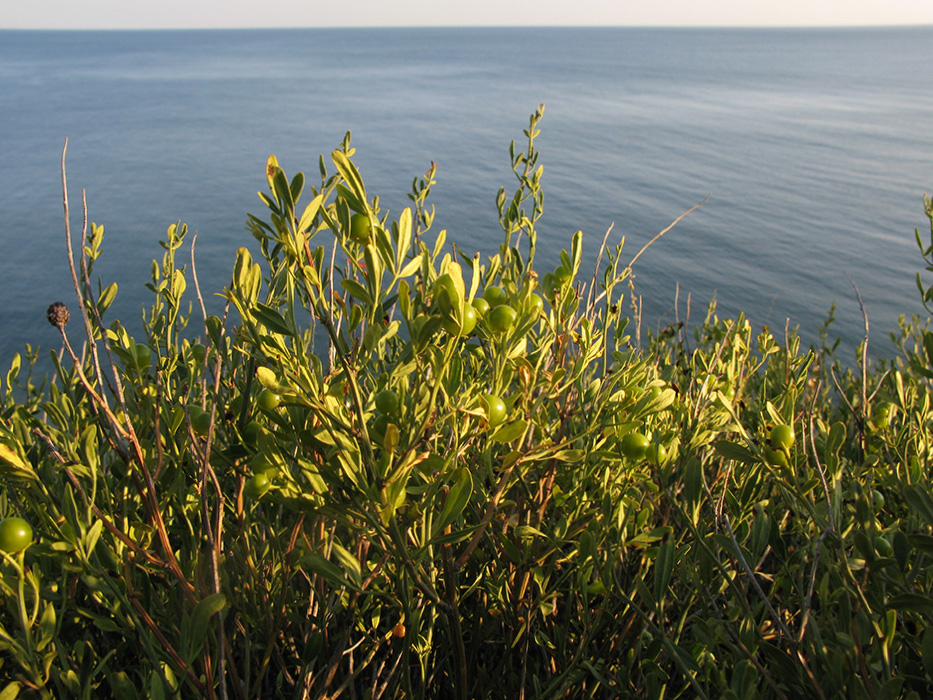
[
  {"x": 200, "y": 421},
  {"x": 634, "y": 446},
  {"x": 469, "y": 322},
  {"x": 495, "y": 296},
  {"x": 656, "y": 454},
  {"x": 386, "y": 402},
  {"x": 481, "y": 306},
  {"x": 495, "y": 409},
  {"x": 257, "y": 485},
  {"x": 775, "y": 458},
  {"x": 360, "y": 228},
  {"x": 501, "y": 318},
  {"x": 782, "y": 437},
  {"x": 268, "y": 400},
  {"x": 15, "y": 535}
]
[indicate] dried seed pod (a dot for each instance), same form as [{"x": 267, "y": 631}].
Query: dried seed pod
[{"x": 58, "y": 314}]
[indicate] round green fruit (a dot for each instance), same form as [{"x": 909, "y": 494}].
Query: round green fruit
[
  {"x": 782, "y": 437},
  {"x": 775, "y": 458},
  {"x": 634, "y": 445},
  {"x": 881, "y": 417},
  {"x": 200, "y": 421},
  {"x": 15, "y": 535},
  {"x": 469, "y": 322},
  {"x": 268, "y": 400},
  {"x": 656, "y": 454},
  {"x": 653, "y": 393},
  {"x": 251, "y": 433},
  {"x": 535, "y": 303},
  {"x": 257, "y": 485},
  {"x": 495, "y": 409},
  {"x": 143, "y": 355},
  {"x": 495, "y": 296},
  {"x": 360, "y": 228},
  {"x": 261, "y": 464},
  {"x": 562, "y": 275},
  {"x": 481, "y": 306},
  {"x": 501, "y": 318},
  {"x": 386, "y": 402},
  {"x": 380, "y": 425}
]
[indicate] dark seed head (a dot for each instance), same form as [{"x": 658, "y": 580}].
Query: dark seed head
[{"x": 58, "y": 314}]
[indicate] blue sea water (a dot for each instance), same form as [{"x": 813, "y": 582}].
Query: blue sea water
[{"x": 814, "y": 146}]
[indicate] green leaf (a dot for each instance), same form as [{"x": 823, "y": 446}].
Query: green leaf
[
  {"x": 663, "y": 567},
  {"x": 272, "y": 319},
  {"x": 349, "y": 564},
  {"x": 93, "y": 534},
  {"x": 920, "y": 501},
  {"x": 456, "y": 501},
  {"x": 329, "y": 572},
  {"x": 12, "y": 465},
  {"x": 106, "y": 298},
  {"x": 911, "y": 602},
  {"x": 10, "y": 691},
  {"x": 650, "y": 537},
  {"x": 350, "y": 174},
  {"x": 404, "y": 239},
  {"x": 510, "y": 432},
  {"x": 200, "y": 621},
  {"x": 307, "y": 218},
  {"x": 734, "y": 451},
  {"x": 411, "y": 267},
  {"x": 357, "y": 291}
]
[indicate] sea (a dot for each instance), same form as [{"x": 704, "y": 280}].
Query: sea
[{"x": 810, "y": 149}]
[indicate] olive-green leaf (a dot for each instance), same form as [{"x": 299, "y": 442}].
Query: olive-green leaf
[
  {"x": 329, "y": 572},
  {"x": 10, "y": 691},
  {"x": 13, "y": 465},
  {"x": 732, "y": 450},
  {"x": 920, "y": 501},
  {"x": 272, "y": 319},
  {"x": 456, "y": 501},
  {"x": 200, "y": 620},
  {"x": 911, "y": 602},
  {"x": 357, "y": 291},
  {"x": 663, "y": 567},
  {"x": 510, "y": 432}
]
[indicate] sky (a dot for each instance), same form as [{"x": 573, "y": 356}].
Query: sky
[{"x": 185, "y": 14}]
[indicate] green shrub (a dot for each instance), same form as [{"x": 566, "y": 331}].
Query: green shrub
[{"x": 375, "y": 484}]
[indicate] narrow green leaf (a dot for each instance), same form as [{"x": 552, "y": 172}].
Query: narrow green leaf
[
  {"x": 456, "y": 501},
  {"x": 732, "y": 450},
  {"x": 404, "y": 240},
  {"x": 323, "y": 568},
  {"x": 663, "y": 567},
  {"x": 93, "y": 534},
  {"x": 307, "y": 218},
  {"x": 272, "y": 319},
  {"x": 357, "y": 291},
  {"x": 510, "y": 432},
  {"x": 349, "y": 172},
  {"x": 911, "y": 602},
  {"x": 920, "y": 501}
]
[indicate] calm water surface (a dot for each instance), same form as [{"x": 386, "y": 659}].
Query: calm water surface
[{"x": 814, "y": 146}]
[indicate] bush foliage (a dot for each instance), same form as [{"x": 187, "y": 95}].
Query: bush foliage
[{"x": 373, "y": 484}]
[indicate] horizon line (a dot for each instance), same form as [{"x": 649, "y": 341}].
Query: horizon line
[{"x": 920, "y": 25}]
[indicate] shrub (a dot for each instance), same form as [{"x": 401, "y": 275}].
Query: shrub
[{"x": 374, "y": 484}]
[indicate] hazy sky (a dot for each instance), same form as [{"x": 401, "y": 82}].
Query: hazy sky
[{"x": 157, "y": 14}]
